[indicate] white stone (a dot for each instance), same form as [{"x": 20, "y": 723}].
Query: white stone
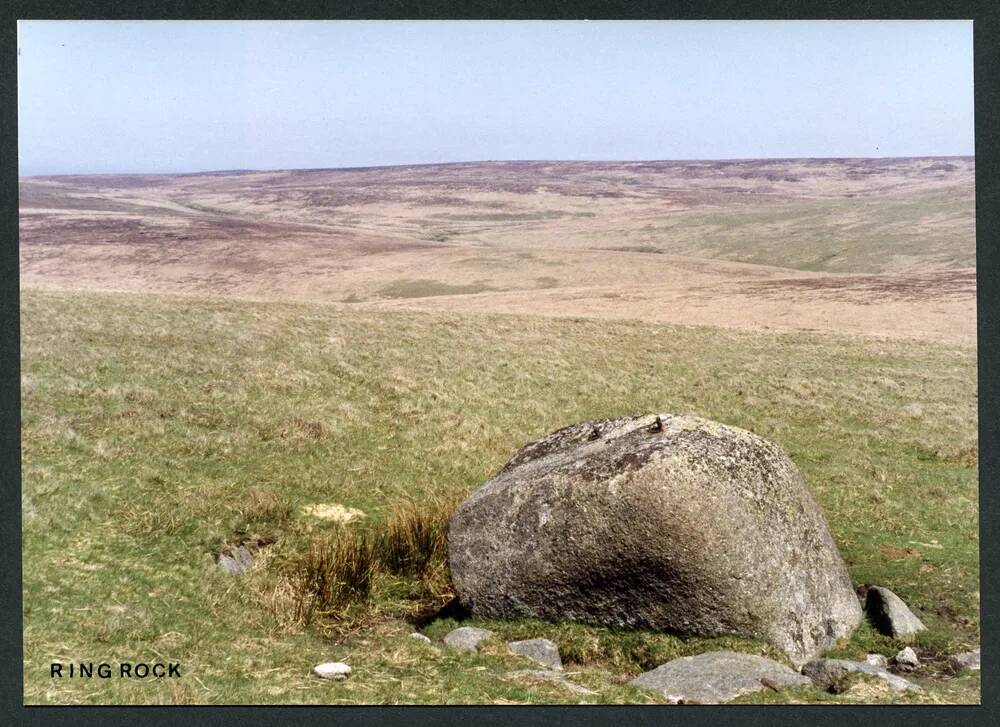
[
  {"x": 906, "y": 660},
  {"x": 332, "y": 670},
  {"x": 235, "y": 562},
  {"x": 419, "y": 637}
]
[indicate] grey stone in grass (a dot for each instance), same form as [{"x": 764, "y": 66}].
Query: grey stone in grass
[
  {"x": 890, "y": 615},
  {"x": 236, "y": 561},
  {"x": 826, "y": 673},
  {"x": 877, "y": 660},
  {"x": 965, "y": 660},
  {"x": 541, "y": 650},
  {"x": 665, "y": 522},
  {"x": 906, "y": 660},
  {"x": 717, "y": 677},
  {"x": 419, "y": 637},
  {"x": 467, "y": 638},
  {"x": 552, "y": 676},
  {"x": 229, "y": 565}
]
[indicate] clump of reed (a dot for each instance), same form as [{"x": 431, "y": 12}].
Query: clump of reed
[{"x": 336, "y": 573}]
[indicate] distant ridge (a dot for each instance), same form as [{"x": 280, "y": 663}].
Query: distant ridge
[{"x": 500, "y": 162}]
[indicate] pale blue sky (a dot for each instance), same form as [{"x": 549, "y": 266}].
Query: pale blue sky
[{"x": 168, "y": 96}]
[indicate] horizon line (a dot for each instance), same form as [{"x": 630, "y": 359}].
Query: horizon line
[{"x": 247, "y": 170}]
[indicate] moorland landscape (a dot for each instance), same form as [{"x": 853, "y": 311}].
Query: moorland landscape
[{"x": 315, "y": 366}]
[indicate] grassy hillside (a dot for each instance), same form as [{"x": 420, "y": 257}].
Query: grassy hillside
[
  {"x": 922, "y": 230},
  {"x": 158, "y": 429}
]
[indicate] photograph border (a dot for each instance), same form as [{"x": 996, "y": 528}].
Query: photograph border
[{"x": 986, "y": 31}]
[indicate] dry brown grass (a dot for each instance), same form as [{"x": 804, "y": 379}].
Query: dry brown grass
[
  {"x": 336, "y": 573},
  {"x": 414, "y": 536},
  {"x": 262, "y": 505},
  {"x": 332, "y": 574}
]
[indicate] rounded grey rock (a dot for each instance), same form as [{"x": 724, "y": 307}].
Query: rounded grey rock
[
  {"x": 966, "y": 660},
  {"x": 467, "y": 638},
  {"x": 541, "y": 650},
  {"x": 665, "y": 522},
  {"x": 717, "y": 677},
  {"x": 235, "y": 562}
]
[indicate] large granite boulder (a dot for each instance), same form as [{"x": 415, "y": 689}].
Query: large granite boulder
[{"x": 659, "y": 521}]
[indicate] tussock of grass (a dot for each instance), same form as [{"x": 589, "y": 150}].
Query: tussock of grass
[
  {"x": 414, "y": 537},
  {"x": 337, "y": 572},
  {"x": 332, "y": 575},
  {"x": 137, "y": 519}
]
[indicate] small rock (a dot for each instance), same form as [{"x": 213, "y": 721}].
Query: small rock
[
  {"x": 229, "y": 565},
  {"x": 244, "y": 556},
  {"x": 332, "y": 670},
  {"x": 541, "y": 650},
  {"x": 419, "y": 637},
  {"x": 890, "y": 615},
  {"x": 717, "y": 677},
  {"x": 825, "y": 673},
  {"x": 552, "y": 676},
  {"x": 906, "y": 660},
  {"x": 467, "y": 638},
  {"x": 236, "y": 562},
  {"x": 877, "y": 660},
  {"x": 965, "y": 660}
]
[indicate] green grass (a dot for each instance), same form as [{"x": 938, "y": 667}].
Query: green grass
[
  {"x": 864, "y": 234},
  {"x": 507, "y": 216},
  {"x": 422, "y": 288},
  {"x": 158, "y": 430}
]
